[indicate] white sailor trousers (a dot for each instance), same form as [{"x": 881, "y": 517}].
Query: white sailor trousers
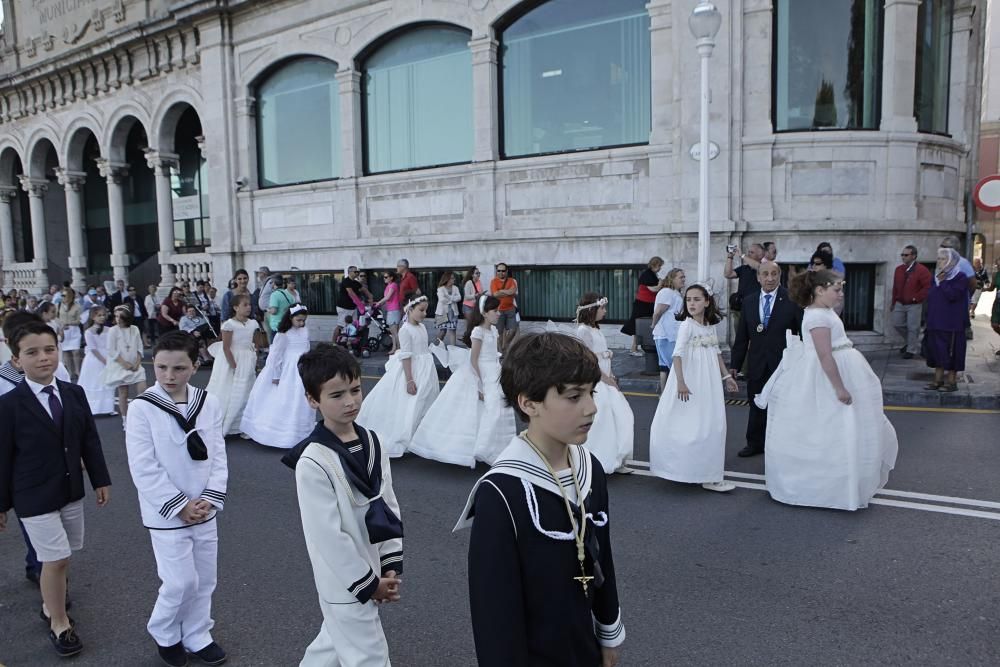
[
  {"x": 186, "y": 564},
  {"x": 351, "y": 636}
]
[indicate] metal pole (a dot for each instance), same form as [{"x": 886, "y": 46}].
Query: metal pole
[{"x": 705, "y": 51}]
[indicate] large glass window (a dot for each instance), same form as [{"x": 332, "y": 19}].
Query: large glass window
[
  {"x": 575, "y": 76},
  {"x": 298, "y": 124},
  {"x": 828, "y": 64},
  {"x": 930, "y": 102},
  {"x": 418, "y": 100}
]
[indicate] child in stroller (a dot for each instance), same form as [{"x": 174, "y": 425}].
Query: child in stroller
[{"x": 350, "y": 336}]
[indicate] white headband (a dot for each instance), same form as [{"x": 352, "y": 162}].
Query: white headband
[
  {"x": 482, "y": 302},
  {"x": 603, "y": 301},
  {"x": 410, "y": 304},
  {"x": 296, "y": 309}
]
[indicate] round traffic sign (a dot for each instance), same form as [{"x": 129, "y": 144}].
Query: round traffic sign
[{"x": 986, "y": 194}]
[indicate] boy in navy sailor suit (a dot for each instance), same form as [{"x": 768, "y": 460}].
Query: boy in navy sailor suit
[
  {"x": 177, "y": 457},
  {"x": 46, "y": 432},
  {"x": 350, "y": 516}
]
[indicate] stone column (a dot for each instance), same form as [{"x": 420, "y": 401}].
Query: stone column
[
  {"x": 36, "y": 189},
  {"x": 7, "y": 195},
  {"x": 115, "y": 173},
  {"x": 485, "y": 115},
  {"x": 351, "y": 158},
  {"x": 161, "y": 164},
  {"x": 899, "y": 63},
  {"x": 72, "y": 182}
]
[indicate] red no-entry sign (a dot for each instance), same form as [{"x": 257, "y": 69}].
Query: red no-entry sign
[{"x": 986, "y": 194}]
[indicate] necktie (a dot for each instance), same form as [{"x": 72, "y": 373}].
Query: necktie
[
  {"x": 55, "y": 407},
  {"x": 767, "y": 309}
]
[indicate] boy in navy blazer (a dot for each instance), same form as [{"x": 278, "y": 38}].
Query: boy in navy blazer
[{"x": 46, "y": 432}]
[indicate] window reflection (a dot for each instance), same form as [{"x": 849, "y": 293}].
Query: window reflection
[
  {"x": 930, "y": 104},
  {"x": 828, "y": 64},
  {"x": 298, "y": 124},
  {"x": 418, "y": 100},
  {"x": 576, "y": 76}
]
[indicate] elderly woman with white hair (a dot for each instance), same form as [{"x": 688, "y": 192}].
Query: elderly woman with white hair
[{"x": 947, "y": 318}]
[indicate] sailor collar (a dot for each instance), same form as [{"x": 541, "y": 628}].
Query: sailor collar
[
  {"x": 521, "y": 461},
  {"x": 187, "y": 420},
  {"x": 11, "y": 374},
  {"x": 159, "y": 397}
]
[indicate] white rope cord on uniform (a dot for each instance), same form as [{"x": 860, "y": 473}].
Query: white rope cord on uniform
[{"x": 532, "y": 500}]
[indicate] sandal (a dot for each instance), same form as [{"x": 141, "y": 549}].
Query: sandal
[
  {"x": 948, "y": 388},
  {"x": 934, "y": 386}
]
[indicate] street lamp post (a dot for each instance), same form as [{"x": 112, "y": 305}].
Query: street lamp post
[{"x": 704, "y": 22}]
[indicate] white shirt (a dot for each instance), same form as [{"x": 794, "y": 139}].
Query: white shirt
[
  {"x": 667, "y": 326},
  {"x": 760, "y": 306},
  {"x": 39, "y": 391}
]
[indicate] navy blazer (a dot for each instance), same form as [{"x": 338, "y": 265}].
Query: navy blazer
[
  {"x": 764, "y": 347},
  {"x": 40, "y": 469}
]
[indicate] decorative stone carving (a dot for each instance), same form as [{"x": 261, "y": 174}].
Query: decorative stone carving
[
  {"x": 114, "y": 172},
  {"x": 160, "y": 162},
  {"x": 72, "y": 180},
  {"x": 35, "y": 187},
  {"x": 7, "y": 194}
]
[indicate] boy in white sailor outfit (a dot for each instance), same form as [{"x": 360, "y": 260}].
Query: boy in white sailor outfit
[
  {"x": 350, "y": 516},
  {"x": 177, "y": 457}
]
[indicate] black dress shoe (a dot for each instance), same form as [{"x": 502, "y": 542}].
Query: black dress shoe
[
  {"x": 66, "y": 643},
  {"x": 749, "y": 451},
  {"x": 902, "y": 349},
  {"x": 173, "y": 656},
  {"x": 32, "y": 576},
  {"x": 211, "y": 654},
  {"x": 907, "y": 355}
]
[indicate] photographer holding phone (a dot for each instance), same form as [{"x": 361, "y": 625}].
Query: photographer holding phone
[{"x": 746, "y": 273}]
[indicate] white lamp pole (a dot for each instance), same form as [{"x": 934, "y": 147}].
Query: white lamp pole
[{"x": 704, "y": 22}]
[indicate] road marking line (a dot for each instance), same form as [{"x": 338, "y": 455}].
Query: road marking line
[
  {"x": 914, "y": 408},
  {"x": 942, "y": 509},
  {"x": 936, "y": 508}
]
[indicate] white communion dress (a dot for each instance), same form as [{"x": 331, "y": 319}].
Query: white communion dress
[
  {"x": 278, "y": 415},
  {"x": 231, "y": 386},
  {"x": 687, "y": 439},
  {"x": 612, "y": 433},
  {"x": 821, "y": 452},
  {"x": 388, "y": 409},
  {"x": 100, "y": 396},
  {"x": 123, "y": 344},
  {"x": 460, "y": 428}
]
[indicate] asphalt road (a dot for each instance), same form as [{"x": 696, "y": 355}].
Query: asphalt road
[{"x": 705, "y": 578}]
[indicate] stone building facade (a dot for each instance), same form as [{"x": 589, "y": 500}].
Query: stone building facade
[{"x": 162, "y": 139}]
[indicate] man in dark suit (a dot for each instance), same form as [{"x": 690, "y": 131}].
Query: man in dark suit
[
  {"x": 47, "y": 436},
  {"x": 117, "y": 297},
  {"x": 760, "y": 340}
]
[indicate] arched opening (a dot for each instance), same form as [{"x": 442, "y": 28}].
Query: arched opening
[
  {"x": 10, "y": 169},
  {"x": 96, "y": 223},
  {"x": 43, "y": 163},
  {"x": 139, "y": 197},
  {"x": 189, "y": 187},
  {"x": 298, "y": 123},
  {"x": 417, "y": 99},
  {"x": 574, "y": 75}
]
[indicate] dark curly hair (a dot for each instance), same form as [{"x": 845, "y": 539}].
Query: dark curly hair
[{"x": 712, "y": 313}]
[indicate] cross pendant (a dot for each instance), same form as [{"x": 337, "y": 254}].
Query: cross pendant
[{"x": 584, "y": 580}]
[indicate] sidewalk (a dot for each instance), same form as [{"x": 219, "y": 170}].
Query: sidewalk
[{"x": 902, "y": 380}]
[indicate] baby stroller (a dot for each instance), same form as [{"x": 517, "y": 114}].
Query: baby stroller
[{"x": 375, "y": 332}]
